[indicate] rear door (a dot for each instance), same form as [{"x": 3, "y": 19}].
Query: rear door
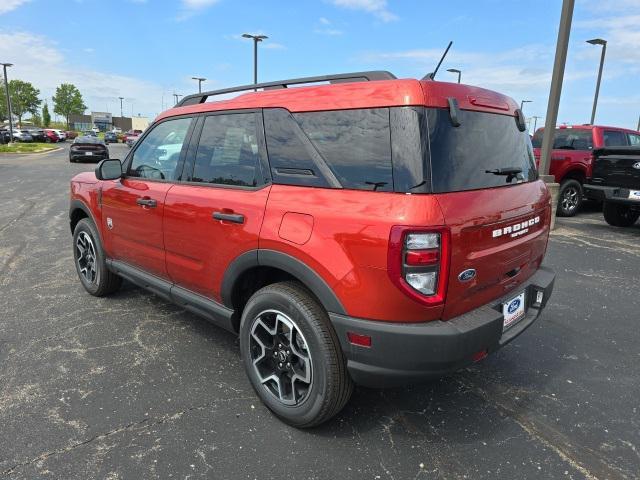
[
  {"x": 133, "y": 207},
  {"x": 499, "y": 223},
  {"x": 217, "y": 215}
]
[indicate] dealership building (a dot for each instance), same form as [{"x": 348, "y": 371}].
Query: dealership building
[{"x": 105, "y": 121}]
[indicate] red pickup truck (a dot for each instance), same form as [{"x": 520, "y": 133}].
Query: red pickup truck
[{"x": 572, "y": 157}]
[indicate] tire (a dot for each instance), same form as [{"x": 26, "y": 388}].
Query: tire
[
  {"x": 312, "y": 353},
  {"x": 102, "y": 282},
  {"x": 619, "y": 215},
  {"x": 569, "y": 198}
]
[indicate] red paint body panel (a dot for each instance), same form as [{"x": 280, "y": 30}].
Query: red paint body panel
[
  {"x": 136, "y": 236},
  {"x": 198, "y": 248}
]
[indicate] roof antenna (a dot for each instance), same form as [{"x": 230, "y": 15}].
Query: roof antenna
[{"x": 432, "y": 75}]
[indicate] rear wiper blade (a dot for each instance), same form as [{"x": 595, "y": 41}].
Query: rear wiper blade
[{"x": 510, "y": 171}]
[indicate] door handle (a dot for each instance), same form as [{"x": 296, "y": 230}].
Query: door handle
[
  {"x": 147, "y": 202},
  {"x": 229, "y": 217}
]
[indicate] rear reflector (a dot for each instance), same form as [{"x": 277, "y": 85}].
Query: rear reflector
[
  {"x": 479, "y": 355},
  {"x": 422, "y": 257},
  {"x": 359, "y": 339}
]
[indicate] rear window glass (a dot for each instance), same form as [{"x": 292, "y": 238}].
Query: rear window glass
[
  {"x": 355, "y": 144},
  {"x": 615, "y": 138},
  {"x": 567, "y": 139},
  {"x": 476, "y": 154}
]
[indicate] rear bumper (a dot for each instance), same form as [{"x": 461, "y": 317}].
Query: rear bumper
[
  {"x": 408, "y": 353},
  {"x": 97, "y": 156},
  {"x": 610, "y": 194}
]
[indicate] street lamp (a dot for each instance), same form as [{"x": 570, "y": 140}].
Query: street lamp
[
  {"x": 535, "y": 123},
  {"x": 598, "y": 41},
  {"x": 6, "y": 89},
  {"x": 177, "y": 97},
  {"x": 200, "y": 80},
  {"x": 256, "y": 39},
  {"x": 455, "y": 70},
  {"x": 121, "y": 99},
  {"x": 523, "y": 102}
]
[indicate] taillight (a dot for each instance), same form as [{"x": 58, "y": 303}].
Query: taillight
[{"x": 418, "y": 262}]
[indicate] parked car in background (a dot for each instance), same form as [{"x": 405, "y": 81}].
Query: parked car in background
[
  {"x": 88, "y": 147},
  {"x": 37, "y": 134},
  {"x": 51, "y": 136},
  {"x": 116, "y": 130},
  {"x": 70, "y": 134},
  {"x": 616, "y": 181},
  {"x": 131, "y": 140},
  {"x": 5, "y": 136},
  {"x": 22, "y": 135},
  {"x": 131, "y": 133},
  {"x": 110, "y": 137},
  {"x": 89, "y": 133},
  {"x": 61, "y": 134},
  {"x": 95, "y": 130},
  {"x": 572, "y": 158}
]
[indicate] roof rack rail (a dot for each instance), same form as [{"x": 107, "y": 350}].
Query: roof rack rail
[{"x": 197, "y": 98}]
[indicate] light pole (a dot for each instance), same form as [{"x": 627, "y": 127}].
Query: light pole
[
  {"x": 177, "y": 97},
  {"x": 256, "y": 40},
  {"x": 598, "y": 41},
  {"x": 6, "y": 89},
  {"x": 535, "y": 122},
  {"x": 523, "y": 102},
  {"x": 455, "y": 70},
  {"x": 200, "y": 80},
  {"x": 121, "y": 100}
]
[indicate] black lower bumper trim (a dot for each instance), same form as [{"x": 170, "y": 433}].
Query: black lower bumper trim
[
  {"x": 610, "y": 194},
  {"x": 408, "y": 353}
]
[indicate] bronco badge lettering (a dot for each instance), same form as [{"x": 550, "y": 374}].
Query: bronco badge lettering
[{"x": 516, "y": 229}]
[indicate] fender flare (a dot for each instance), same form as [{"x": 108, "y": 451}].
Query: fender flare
[
  {"x": 79, "y": 205},
  {"x": 294, "y": 267}
]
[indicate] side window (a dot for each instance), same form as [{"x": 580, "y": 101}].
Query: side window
[
  {"x": 355, "y": 144},
  {"x": 228, "y": 151},
  {"x": 634, "y": 140},
  {"x": 572, "y": 139},
  {"x": 157, "y": 155},
  {"x": 614, "y": 138},
  {"x": 290, "y": 159}
]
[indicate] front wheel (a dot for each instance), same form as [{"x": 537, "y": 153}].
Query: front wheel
[
  {"x": 619, "y": 215},
  {"x": 91, "y": 262},
  {"x": 292, "y": 355},
  {"x": 570, "y": 198}
]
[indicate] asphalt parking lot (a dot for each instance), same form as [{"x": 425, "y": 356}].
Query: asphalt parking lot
[{"x": 132, "y": 387}]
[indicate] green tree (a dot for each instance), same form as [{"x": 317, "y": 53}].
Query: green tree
[
  {"x": 3, "y": 103},
  {"x": 46, "y": 116},
  {"x": 68, "y": 101},
  {"x": 24, "y": 99}
]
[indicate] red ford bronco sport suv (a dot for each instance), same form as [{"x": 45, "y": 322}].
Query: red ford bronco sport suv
[
  {"x": 572, "y": 158},
  {"x": 366, "y": 230}
]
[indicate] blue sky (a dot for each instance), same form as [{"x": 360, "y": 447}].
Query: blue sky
[{"x": 144, "y": 50}]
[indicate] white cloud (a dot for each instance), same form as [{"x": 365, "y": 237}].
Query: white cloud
[
  {"x": 198, "y": 4},
  {"x": 40, "y": 62},
  {"x": 374, "y": 7},
  {"x": 8, "y": 5}
]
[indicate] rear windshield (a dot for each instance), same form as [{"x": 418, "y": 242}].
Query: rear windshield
[
  {"x": 566, "y": 139},
  {"x": 487, "y": 150}
]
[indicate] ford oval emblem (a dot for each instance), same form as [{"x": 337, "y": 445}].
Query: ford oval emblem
[
  {"x": 636, "y": 165},
  {"x": 513, "y": 306},
  {"x": 467, "y": 275}
]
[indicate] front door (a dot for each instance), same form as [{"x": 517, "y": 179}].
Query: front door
[
  {"x": 133, "y": 207},
  {"x": 218, "y": 215}
]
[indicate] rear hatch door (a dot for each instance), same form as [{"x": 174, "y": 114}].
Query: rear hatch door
[{"x": 498, "y": 221}]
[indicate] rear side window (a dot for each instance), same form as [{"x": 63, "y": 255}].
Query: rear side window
[
  {"x": 615, "y": 138},
  {"x": 228, "y": 151},
  {"x": 355, "y": 144},
  {"x": 472, "y": 155},
  {"x": 567, "y": 139},
  {"x": 634, "y": 140}
]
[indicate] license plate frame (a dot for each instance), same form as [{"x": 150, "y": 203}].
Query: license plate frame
[
  {"x": 634, "y": 195},
  {"x": 513, "y": 310},
  {"x": 89, "y": 154}
]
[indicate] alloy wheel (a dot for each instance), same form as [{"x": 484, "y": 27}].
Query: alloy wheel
[
  {"x": 280, "y": 357},
  {"x": 86, "y": 258},
  {"x": 570, "y": 199}
]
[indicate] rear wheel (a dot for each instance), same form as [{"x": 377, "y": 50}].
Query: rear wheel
[
  {"x": 570, "y": 198},
  {"x": 292, "y": 355},
  {"x": 91, "y": 262},
  {"x": 619, "y": 215}
]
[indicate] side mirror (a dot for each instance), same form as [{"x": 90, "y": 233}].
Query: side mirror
[
  {"x": 109, "y": 170},
  {"x": 521, "y": 122}
]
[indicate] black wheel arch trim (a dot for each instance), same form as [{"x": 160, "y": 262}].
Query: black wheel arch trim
[
  {"x": 273, "y": 258},
  {"x": 79, "y": 205}
]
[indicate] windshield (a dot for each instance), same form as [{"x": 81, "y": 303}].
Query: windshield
[{"x": 487, "y": 150}]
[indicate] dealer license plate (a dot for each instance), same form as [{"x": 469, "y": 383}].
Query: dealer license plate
[
  {"x": 634, "y": 194},
  {"x": 513, "y": 311},
  {"x": 89, "y": 154}
]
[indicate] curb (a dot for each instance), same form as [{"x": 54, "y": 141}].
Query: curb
[{"x": 32, "y": 153}]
